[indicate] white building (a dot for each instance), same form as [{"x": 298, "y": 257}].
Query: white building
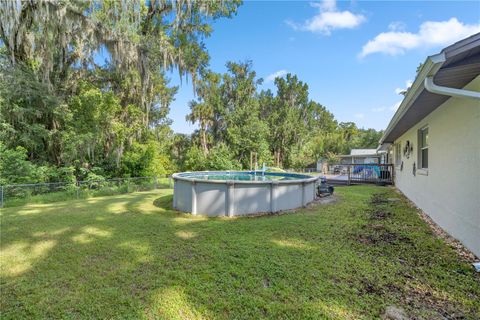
[
  {"x": 360, "y": 156},
  {"x": 434, "y": 141}
]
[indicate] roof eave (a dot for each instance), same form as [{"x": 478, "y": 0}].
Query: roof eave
[{"x": 429, "y": 68}]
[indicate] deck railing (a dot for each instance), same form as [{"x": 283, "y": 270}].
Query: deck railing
[{"x": 361, "y": 173}]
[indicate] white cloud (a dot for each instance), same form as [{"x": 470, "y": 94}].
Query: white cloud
[
  {"x": 431, "y": 33},
  {"x": 328, "y": 19},
  {"x": 277, "y": 74},
  {"x": 408, "y": 84},
  {"x": 359, "y": 115}
]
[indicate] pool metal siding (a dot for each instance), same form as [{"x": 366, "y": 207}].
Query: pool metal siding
[
  {"x": 211, "y": 199},
  {"x": 237, "y": 198}
]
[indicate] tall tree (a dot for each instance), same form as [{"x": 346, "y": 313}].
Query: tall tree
[
  {"x": 205, "y": 111},
  {"x": 288, "y": 117},
  {"x": 203, "y": 114},
  {"x": 245, "y": 132}
]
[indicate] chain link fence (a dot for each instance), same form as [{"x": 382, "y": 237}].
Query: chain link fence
[{"x": 20, "y": 194}]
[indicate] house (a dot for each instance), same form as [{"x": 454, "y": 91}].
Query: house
[
  {"x": 356, "y": 156},
  {"x": 434, "y": 141},
  {"x": 360, "y": 156}
]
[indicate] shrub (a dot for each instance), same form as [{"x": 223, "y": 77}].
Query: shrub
[
  {"x": 145, "y": 160},
  {"x": 220, "y": 158},
  {"x": 195, "y": 159},
  {"x": 61, "y": 174},
  {"x": 15, "y": 168}
]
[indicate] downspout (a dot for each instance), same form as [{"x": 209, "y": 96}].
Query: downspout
[{"x": 453, "y": 92}]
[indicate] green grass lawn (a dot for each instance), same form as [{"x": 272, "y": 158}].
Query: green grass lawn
[{"x": 131, "y": 256}]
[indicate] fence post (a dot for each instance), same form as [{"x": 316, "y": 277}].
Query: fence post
[
  {"x": 78, "y": 189},
  {"x": 392, "y": 173},
  {"x": 349, "y": 167},
  {"x": 155, "y": 179},
  {"x": 1, "y": 196}
]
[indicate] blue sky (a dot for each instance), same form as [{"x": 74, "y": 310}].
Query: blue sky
[{"x": 354, "y": 55}]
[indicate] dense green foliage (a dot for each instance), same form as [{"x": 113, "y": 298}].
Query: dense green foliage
[
  {"x": 133, "y": 257},
  {"x": 84, "y": 93},
  {"x": 62, "y": 107}
]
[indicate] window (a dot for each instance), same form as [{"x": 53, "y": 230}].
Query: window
[
  {"x": 398, "y": 153},
  {"x": 423, "y": 148}
]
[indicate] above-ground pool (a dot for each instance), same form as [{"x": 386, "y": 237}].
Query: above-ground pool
[{"x": 237, "y": 193}]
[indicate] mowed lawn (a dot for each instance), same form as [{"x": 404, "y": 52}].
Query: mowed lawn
[{"x": 131, "y": 257}]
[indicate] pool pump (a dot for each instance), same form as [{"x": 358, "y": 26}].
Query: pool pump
[{"x": 324, "y": 189}]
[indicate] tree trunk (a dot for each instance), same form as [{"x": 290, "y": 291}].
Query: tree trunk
[{"x": 204, "y": 141}]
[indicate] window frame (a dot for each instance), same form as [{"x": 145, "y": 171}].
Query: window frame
[
  {"x": 398, "y": 153},
  {"x": 421, "y": 147}
]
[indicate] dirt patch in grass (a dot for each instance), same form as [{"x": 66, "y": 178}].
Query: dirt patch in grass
[
  {"x": 435, "y": 307},
  {"x": 376, "y": 227},
  {"x": 379, "y": 198},
  {"x": 380, "y": 214},
  {"x": 379, "y": 206},
  {"x": 376, "y": 232},
  {"x": 381, "y": 237},
  {"x": 370, "y": 287}
]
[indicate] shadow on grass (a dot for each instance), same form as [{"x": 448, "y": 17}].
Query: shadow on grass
[
  {"x": 132, "y": 256},
  {"x": 165, "y": 202}
]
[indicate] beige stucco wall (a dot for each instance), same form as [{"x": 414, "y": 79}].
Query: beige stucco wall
[{"x": 449, "y": 192}]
